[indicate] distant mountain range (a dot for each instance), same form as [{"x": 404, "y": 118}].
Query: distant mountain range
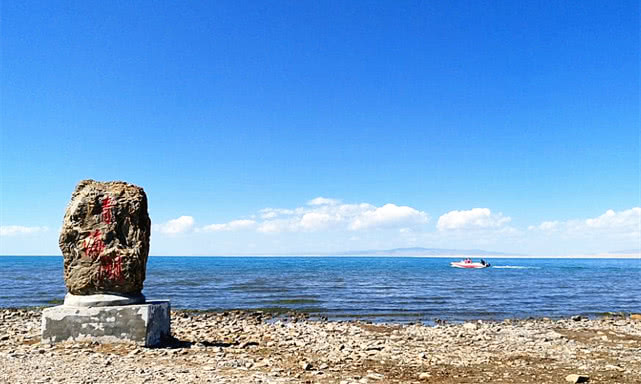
[
  {"x": 627, "y": 252},
  {"x": 419, "y": 251}
]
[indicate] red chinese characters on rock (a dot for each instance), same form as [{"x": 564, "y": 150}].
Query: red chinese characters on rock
[
  {"x": 110, "y": 266},
  {"x": 106, "y": 210},
  {"x": 93, "y": 244}
]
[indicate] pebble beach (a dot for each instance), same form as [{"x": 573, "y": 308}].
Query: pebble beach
[{"x": 257, "y": 347}]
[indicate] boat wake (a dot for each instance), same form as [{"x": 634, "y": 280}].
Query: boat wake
[{"x": 514, "y": 267}]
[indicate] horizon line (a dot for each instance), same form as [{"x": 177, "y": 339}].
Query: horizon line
[{"x": 548, "y": 256}]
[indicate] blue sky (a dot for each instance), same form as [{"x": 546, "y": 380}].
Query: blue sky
[{"x": 509, "y": 126}]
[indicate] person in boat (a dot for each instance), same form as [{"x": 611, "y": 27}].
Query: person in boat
[
  {"x": 483, "y": 262},
  {"x": 468, "y": 261}
]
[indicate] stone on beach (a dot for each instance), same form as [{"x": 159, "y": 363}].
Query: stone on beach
[
  {"x": 209, "y": 346},
  {"x": 105, "y": 244},
  {"x": 470, "y": 326},
  {"x": 105, "y": 238},
  {"x": 574, "y": 378}
]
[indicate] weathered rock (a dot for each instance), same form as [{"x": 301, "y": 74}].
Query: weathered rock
[
  {"x": 105, "y": 238},
  {"x": 574, "y": 378},
  {"x": 470, "y": 326}
]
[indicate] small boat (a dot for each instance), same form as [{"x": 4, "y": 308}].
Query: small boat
[{"x": 469, "y": 264}]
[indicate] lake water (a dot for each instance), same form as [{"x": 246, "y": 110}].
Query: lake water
[{"x": 373, "y": 288}]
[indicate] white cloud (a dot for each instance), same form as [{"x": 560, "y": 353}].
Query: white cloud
[
  {"x": 175, "y": 226},
  {"x": 329, "y": 214},
  {"x": 292, "y": 224},
  {"x": 270, "y": 213},
  {"x": 388, "y": 215},
  {"x": 476, "y": 218},
  {"x": 231, "y": 226},
  {"x": 627, "y": 220},
  {"x": 316, "y": 220},
  {"x": 545, "y": 226},
  {"x": 625, "y": 223},
  {"x": 17, "y": 230},
  {"x": 323, "y": 201},
  {"x": 273, "y": 226}
]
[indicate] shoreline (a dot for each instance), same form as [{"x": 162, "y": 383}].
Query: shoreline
[
  {"x": 284, "y": 313},
  {"x": 254, "y": 347},
  {"x": 550, "y": 257}
]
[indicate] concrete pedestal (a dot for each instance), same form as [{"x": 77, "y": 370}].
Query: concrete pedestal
[
  {"x": 102, "y": 300},
  {"x": 144, "y": 324}
]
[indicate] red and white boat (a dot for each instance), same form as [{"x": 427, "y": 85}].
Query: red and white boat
[{"x": 469, "y": 264}]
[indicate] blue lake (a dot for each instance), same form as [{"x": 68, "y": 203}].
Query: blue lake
[{"x": 375, "y": 288}]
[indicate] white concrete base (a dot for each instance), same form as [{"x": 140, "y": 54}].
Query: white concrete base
[
  {"x": 102, "y": 300},
  {"x": 144, "y": 324}
]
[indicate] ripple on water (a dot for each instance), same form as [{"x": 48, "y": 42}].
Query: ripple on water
[{"x": 376, "y": 288}]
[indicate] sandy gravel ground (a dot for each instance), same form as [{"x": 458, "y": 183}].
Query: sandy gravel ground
[{"x": 246, "y": 347}]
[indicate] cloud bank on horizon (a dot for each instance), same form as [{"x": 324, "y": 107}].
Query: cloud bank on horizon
[
  {"x": 330, "y": 225},
  {"x": 397, "y": 226},
  {"x": 17, "y": 230},
  {"x": 475, "y": 218},
  {"x": 622, "y": 224},
  {"x": 327, "y": 214}
]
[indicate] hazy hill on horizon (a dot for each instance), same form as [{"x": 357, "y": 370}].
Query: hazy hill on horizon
[{"x": 420, "y": 251}]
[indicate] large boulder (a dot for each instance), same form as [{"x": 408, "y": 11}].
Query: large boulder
[{"x": 105, "y": 238}]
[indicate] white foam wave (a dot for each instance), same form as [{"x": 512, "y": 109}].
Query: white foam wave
[{"x": 514, "y": 267}]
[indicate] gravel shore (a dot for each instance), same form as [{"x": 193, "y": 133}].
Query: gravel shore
[{"x": 254, "y": 347}]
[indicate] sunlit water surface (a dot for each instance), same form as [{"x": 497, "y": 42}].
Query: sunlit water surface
[{"x": 374, "y": 288}]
